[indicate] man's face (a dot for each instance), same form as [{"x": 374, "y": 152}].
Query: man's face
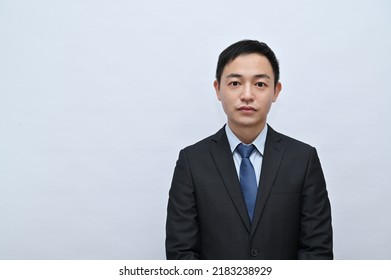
[{"x": 246, "y": 91}]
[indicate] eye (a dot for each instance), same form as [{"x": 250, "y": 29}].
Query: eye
[
  {"x": 260, "y": 84},
  {"x": 234, "y": 83}
]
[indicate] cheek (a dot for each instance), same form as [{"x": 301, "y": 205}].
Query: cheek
[
  {"x": 223, "y": 98},
  {"x": 266, "y": 103},
  {"x": 227, "y": 105},
  {"x": 270, "y": 97}
]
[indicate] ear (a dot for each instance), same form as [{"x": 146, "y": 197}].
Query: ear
[
  {"x": 216, "y": 85},
  {"x": 277, "y": 91}
]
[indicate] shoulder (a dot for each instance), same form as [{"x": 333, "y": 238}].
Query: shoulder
[
  {"x": 204, "y": 144},
  {"x": 295, "y": 152},
  {"x": 288, "y": 142}
]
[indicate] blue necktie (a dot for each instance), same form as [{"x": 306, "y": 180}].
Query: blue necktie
[{"x": 248, "y": 181}]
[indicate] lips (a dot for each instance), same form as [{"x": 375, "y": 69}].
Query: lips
[{"x": 247, "y": 109}]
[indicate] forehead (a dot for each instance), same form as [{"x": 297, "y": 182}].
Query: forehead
[{"x": 252, "y": 64}]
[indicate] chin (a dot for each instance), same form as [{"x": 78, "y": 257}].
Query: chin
[{"x": 247, "y": 124}]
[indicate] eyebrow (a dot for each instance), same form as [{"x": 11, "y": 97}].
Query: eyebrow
[{"x": 258, "y": 76}]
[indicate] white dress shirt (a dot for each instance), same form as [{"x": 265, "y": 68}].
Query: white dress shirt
[{"x": 256, "y": 156}]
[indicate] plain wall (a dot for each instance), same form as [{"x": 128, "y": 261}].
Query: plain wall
[{"x": 98, "y": 97}]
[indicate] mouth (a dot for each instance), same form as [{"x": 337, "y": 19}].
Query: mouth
[{"x": 247, "y": 109}]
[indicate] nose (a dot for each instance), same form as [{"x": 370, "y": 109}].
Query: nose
[{"x": 247, "y": 94}]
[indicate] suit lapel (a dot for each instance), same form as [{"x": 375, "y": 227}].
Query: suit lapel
[
  {"x": 223, "y": 159},
  {"x": 271, "y": 161}
]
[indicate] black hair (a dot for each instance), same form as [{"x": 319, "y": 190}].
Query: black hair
[{"x": 247, "y": 47}]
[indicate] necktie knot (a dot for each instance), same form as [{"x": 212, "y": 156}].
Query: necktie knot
[{"x": 245, "y": 150}]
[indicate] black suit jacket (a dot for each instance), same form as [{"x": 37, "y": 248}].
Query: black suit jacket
[{"x": 207, "y": 216}]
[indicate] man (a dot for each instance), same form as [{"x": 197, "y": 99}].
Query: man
[{"x": 248, "y": 192}]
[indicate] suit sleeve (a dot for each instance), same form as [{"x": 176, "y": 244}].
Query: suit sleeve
[
  {"x": 182, "y": 235},
  {"x": 316, "y": 240}
]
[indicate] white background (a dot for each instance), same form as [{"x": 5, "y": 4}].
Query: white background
[{"x": 98, "y": 97}]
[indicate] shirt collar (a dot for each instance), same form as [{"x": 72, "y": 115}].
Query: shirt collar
[{"x": 259, "y": 142}]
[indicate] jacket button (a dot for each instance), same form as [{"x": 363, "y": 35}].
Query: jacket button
[{"x": 254, "y": 252}]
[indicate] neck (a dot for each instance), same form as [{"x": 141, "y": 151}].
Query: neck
[{"x": 247, "y": 135}]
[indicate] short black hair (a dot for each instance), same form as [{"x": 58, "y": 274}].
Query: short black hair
[{"x": 247, "y": 47}]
